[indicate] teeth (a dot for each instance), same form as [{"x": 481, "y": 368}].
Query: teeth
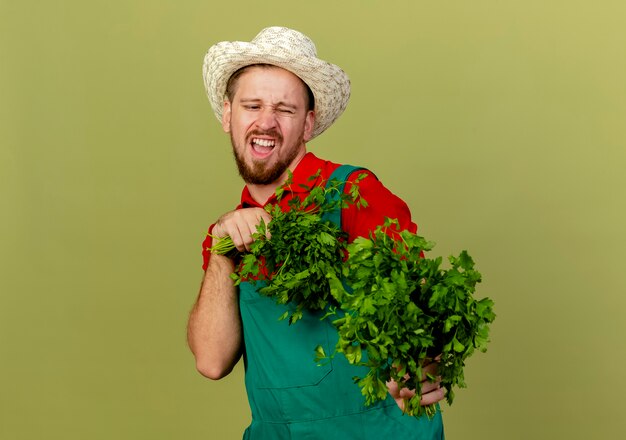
[{"x": 263, "y": 142}]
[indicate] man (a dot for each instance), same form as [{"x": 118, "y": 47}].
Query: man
[{"x": 272, "y": 96}]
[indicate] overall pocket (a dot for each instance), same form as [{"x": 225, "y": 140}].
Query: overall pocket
[{"x": 279, "y": 355}]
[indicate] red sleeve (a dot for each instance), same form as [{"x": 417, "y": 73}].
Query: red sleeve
[
  {"x": 206, "y": 245},
  {"x": 381, "y": 204}
]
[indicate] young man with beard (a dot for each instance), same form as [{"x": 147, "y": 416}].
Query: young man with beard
[{"x": 273, "y": 95}]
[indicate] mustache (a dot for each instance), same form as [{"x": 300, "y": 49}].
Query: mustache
[{"x": 270, "y": 133}]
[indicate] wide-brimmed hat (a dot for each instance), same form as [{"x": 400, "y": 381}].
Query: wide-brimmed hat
[{"x": 286, "y": 48}]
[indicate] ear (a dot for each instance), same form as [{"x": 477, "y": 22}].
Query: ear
[
  {"x": 309, "y": 122},
  {"x": 226, "y": 117}
]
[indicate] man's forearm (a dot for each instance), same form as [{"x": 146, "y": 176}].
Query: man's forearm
[{"x": 214, "y": 330}]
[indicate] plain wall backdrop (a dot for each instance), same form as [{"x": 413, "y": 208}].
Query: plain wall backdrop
[{"x": 501, "y": 123}]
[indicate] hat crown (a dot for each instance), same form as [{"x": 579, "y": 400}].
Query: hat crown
[{"x": 287, "y": 39}]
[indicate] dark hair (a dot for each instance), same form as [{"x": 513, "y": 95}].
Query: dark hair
[{"x": 231, "y": 86}]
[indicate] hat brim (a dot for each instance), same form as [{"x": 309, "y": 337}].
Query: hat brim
[{"x": 329, "y": 84}]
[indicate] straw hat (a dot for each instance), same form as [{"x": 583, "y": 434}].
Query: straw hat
[{"x": 284, "y": 48}]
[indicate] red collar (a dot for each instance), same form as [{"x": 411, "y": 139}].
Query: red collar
[{"x": 308, "y": 166}]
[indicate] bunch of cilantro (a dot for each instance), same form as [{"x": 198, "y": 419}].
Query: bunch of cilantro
[
  {"x": 394, "y": 309},
  {"x": 401, "y": 311},
  {"x": 304, "y": 250}
]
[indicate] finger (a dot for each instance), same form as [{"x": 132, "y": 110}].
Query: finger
[
  {"x": 243, "y": 232},
  {"x": 392, "y": 387},
  {"x": 239, "y": 225},
  {"x": 244, "y": 235},
  {"x": 433, "y": 397},
  {"x": 248, "y": 225},
  {"x": 427, "y": 387},
  {"x": 238, "y": 240},
  {"x": 406, "y": 393}
]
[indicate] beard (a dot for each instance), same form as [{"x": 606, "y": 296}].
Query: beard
[{"x": 260, "y": 173}]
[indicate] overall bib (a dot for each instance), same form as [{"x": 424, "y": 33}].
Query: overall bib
[{"x": 291, "y": 397}]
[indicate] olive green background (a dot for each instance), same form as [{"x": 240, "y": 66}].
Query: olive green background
[{"x": 501, "y": 123}]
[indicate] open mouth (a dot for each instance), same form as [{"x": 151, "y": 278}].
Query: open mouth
[{"x": 262, "y": 147}]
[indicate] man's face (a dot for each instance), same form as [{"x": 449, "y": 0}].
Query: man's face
[{"x": 268, "y": 123}]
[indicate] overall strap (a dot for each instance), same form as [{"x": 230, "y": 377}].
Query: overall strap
[{"x": 341, "y": 174}]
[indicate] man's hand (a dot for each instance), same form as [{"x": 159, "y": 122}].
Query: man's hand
[
  {"x": 432, "y": 392},
  {"x": 240, "y": 225}
]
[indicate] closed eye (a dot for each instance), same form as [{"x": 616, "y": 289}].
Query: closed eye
[{"x": 286, "y": 111}]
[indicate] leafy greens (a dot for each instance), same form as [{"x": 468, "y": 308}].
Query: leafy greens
[{"x": 394, "y": 309}]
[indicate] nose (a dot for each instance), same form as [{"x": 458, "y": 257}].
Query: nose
[{"x": 266, "y": 119}]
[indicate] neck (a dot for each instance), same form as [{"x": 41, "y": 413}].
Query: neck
[{"x": 262, "y": 193}]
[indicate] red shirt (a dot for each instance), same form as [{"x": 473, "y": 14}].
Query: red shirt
[{"x": 357, "y": 222}]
